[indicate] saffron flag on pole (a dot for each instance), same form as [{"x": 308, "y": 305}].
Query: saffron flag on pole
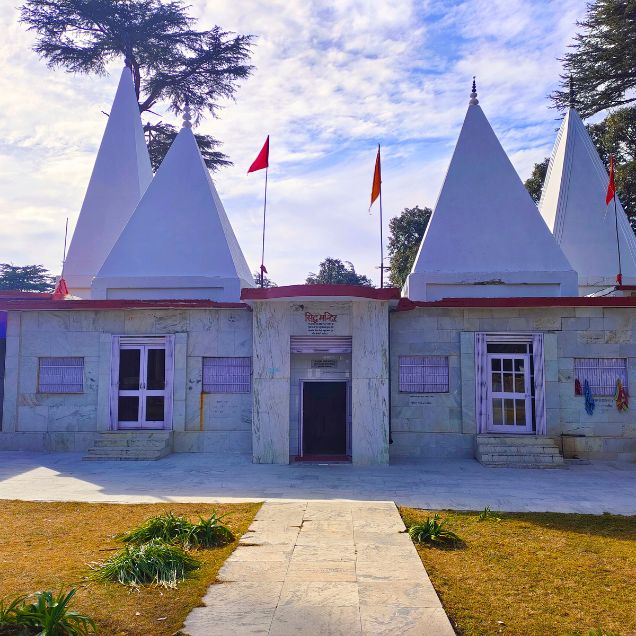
[
  {"x": 262, "y": 161},
  {"x": 611, "y": 186},
  {"x": 376, "y": 188}
]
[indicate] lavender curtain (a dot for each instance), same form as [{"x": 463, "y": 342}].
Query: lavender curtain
[
  {"x": 539, "y": 384},
  {"x": 114, "y": 383},
  {"x": 169, "y": 394},
  {"x": 481, "y": 382}
]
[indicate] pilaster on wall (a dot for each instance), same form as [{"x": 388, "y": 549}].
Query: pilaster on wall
[
  {"x": 370, "y": 383},
  {"x": 270, "y": 386},
  {"x": 467, "y": 363},
  {"x": 103, "y": 382},
  {"x": 11, "y": 374},
  {"x": 180, "y": 381}
]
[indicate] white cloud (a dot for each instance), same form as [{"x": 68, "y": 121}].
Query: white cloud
[{"x": 331, "y": 79}]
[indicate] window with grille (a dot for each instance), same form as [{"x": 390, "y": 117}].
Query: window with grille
[
  {"x": 61, "y": 375},
  {"x": 601, "y": 374},
  {"x": 227, "y": 375},
  {"x": 423, "y": 374}
]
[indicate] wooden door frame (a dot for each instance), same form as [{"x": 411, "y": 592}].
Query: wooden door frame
[
  {"x": 527, "y": 394},
  {"x": 166, "y": 342},
  {"x": 348, "y": 413}
]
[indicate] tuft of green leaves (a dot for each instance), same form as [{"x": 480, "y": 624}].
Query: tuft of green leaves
[
  {"x": 433, "y": 531},
  {"x": 48, "y": 615},
  {"x": 177, "y": 529},
  {"x": 155, "y": 562},
  {"x": 488, "y": 515}
]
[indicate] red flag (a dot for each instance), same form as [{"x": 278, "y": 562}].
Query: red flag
[
  {"x": 376, "y": 188},
  {"x": 262, "y": 161},
  {"x": 61, "y": 290},
  {"x": 263, "y": 269},
  {"x": 611, "y": 186}
]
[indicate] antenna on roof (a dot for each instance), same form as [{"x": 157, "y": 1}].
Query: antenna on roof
[
  {"x": 473, "y": 96},
  {"x": 572, "y": 94},
  {"x": 64, "y": 253}
]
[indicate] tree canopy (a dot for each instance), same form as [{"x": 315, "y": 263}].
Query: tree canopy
[
  {"x": 267, "y": 281},
  {"x": 171, "y": 60},
  {"x": 405, "y": 235},
  {"x": 602, "y": 59},
  {"x": 534, "y": 183},
  {"x": 30, "y": 278},
  {"x": 333, "y": 271}
]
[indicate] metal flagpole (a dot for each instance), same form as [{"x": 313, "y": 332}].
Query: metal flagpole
[
  {"x": 381, "y": 229},
  {"x": 64, "y": 253},
  {"x": 263, "y": 248},
  {"x": 619, "y": 278}
]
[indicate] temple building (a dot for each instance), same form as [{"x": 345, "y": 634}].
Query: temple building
[{"x": 511, "y": 341}]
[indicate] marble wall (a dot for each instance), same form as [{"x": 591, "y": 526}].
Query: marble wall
[
  {"x": 270, "y": 391},
  {"x": 38, "y": 421},
  {"x": 370, "y": 382},
  {"x": 443, "y": 424}
]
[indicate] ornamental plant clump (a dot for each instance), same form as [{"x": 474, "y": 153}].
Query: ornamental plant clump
[
  {"x": 433, "y": 532},
  {"x": 48, "y": 615},
  {"x": 155, "y": 562},
  {"x": 177, "y": 529}
]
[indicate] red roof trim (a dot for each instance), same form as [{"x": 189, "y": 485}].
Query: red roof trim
[
  {"x": 23, "y": 295},
  {"x": 17, "y": 305},
  {"x": 562, "y": 301},
  {"x": 291, "y": 291}
]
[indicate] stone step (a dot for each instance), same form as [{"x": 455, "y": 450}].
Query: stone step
[
  {"x": 517, "y": 440},
  {"x": 522, "y": 459},
  {"x": 127, "y": 442},
  {"x": 130, "y": 446},
  {"x": 520, "y": 450}
]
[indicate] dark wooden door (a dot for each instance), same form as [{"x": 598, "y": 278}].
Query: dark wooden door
[{"x": 324, "y": 418}]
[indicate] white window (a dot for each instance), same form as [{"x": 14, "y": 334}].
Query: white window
[
  {"x": 423, "y": 374},
  {"x": 601, "y": 374},
  {"x": 227, "y": 375},
  {"x": 61, "y": 375}
]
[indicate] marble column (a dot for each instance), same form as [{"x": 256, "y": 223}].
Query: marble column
[
  {"x": 370, "y": 382},
  {"x": 270, "y": 385}
]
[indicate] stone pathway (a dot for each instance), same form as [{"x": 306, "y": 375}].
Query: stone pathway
[{"x": 322, "y": 567}]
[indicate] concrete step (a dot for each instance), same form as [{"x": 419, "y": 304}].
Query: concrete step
[
  {"x": 521, "y": 451},
  {"x": 130, "y": 446}
]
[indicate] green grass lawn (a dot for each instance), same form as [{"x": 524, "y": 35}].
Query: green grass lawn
[
  {"x": 537, "y": 574},
  {"x": 48, "y": 546}
]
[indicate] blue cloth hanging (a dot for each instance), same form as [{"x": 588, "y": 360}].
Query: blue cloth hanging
[{"x": 589, "y": 399}]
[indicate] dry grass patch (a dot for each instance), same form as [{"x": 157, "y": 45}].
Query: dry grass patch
[
  {"x": 48, "y": 546},
  {"x": 534, "y": 574}
]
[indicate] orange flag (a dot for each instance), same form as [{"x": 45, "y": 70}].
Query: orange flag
[
  {"x": 376, "y": 188},
  {"x": 611, "y": 186}
]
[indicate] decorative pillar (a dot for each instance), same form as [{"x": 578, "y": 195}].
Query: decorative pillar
[
  {"x": 270, "y": 383},
  {"x": 370, "y": 382}
]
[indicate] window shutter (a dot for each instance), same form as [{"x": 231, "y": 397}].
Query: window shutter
[
  {"x": 61, "y": 375},
  {"x": 423, "y": 374},
  {"x": 227, "y": 375},
  {"x": 601, "y": 374}
]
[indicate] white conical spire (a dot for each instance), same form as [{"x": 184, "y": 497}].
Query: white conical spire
[
  {"x": 179, "y": 242},
  {"x": 120, "y": 176},
  {"x": 573, "y": 206},
  {"x": 486, "y": 237}
]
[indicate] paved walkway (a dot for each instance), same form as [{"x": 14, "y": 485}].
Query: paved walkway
[
  {"x": 434, "y": 484},
  {"x": 322, "y": 567}
]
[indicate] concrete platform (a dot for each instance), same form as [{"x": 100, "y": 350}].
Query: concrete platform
[{"x": 437, "y": 484}]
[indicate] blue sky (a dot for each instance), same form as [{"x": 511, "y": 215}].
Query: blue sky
[{"x": 332, "y": 80}]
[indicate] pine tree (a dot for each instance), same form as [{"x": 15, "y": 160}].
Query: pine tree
[
  {"x": 30, "y": 278},
  {"x": 602, "y": 59},
  {"x": 171, "y": 60},
  {"x": 534, "y": 183}
]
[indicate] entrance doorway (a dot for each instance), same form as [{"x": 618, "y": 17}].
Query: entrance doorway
[
  {"x": 324, "y": 419},
  {"x": 510, "y": 392},
  {"x": 141, "y": 400}
]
